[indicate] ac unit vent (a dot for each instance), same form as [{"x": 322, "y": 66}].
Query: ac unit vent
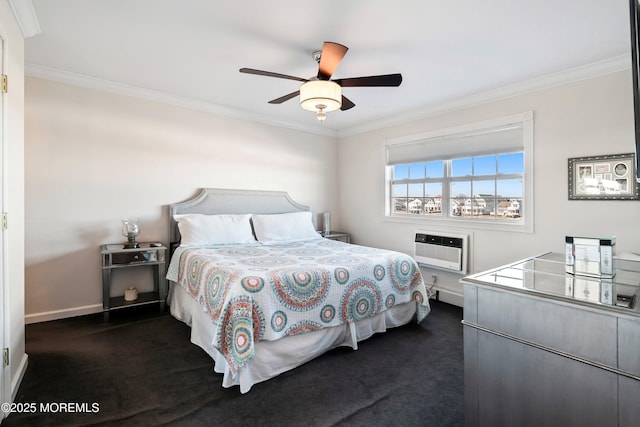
[{"x": 445, "y": 252}]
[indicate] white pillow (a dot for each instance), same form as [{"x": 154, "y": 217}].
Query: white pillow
[
  {"x": 199, "y": 229},
  {"x": 288, "y": 227}
]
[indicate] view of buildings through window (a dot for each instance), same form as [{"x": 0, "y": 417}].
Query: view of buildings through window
[{"x": 485, "y": 187}]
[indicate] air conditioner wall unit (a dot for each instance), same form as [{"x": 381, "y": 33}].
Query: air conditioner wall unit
[{"x": 447, "y": 251}]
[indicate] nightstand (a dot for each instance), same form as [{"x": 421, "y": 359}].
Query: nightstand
[
  {"x": 337, "y": 235},
  {"x": 117, "y": 256}
]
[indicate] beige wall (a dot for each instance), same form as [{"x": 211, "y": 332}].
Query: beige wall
[
  {"x": 590, "y": 117},
  {"x": 13, "y": 196},
  {"x": 94, "y": 157}
]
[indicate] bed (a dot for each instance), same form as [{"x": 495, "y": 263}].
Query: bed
[{"x": 264, "y": 292}]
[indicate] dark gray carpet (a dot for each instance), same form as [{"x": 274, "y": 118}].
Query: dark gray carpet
[{"x": 141, "y": 369}]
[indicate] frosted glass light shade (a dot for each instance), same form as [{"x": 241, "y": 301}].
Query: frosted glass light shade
[{"x": 320, "y": 95}]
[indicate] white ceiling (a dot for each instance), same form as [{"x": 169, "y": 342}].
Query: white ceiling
[{"x": 445, "y": 50}]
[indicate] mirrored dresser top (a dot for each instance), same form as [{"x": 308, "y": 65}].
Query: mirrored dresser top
[{"x": 544, "y": 275}]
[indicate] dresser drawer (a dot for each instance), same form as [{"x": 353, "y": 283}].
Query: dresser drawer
[
  {"x": 573, "y": 330},
  {"x": 133, "y": 257}
]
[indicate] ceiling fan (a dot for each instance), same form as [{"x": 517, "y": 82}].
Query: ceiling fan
[{"x": 320, "y": 94}]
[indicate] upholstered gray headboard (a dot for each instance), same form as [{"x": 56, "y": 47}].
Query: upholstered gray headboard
[{"x": 215, "y": 201}]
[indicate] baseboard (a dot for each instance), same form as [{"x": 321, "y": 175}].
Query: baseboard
[
  {"x": 62, "y": 314},
  {"x": 17, "y": 380},
  {"x": 448, "y": 296}
]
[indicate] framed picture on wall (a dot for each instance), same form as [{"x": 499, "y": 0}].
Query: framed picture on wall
[{"x": 609, "y": 177}]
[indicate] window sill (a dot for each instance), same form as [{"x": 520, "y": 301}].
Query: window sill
[{"x": 458, "y": 223}]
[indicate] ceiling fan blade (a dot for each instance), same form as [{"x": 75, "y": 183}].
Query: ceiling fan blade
[
  {"x": 285, "y": 98},
  {"x": 346, "y": 104},
  {"x": 332, "y": 54},
  {"x": 270, "y": 74},
  {"x": 382, "y": 80}
]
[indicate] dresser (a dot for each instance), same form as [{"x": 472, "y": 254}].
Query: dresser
[{"x": 547, "y": 348}]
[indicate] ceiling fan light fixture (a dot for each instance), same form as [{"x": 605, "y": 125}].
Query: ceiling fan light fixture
[{"x": 320, "y": 96}]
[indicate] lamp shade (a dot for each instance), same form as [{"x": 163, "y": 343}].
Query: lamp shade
[{"x": 322, "y": 95}]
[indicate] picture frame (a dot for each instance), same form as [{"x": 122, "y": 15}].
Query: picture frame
[{"x": 608, "y": 177}]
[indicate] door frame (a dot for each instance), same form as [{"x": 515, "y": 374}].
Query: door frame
[{"x": 5, "y": 373}]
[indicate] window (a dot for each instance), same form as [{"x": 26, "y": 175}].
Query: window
[{"x": 478, "y": 174}]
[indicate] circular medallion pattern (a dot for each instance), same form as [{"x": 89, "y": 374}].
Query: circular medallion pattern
[
  {"x": 243, "y": 324},
  {"x": 252, "y": 283},
  {"x": 403, "y": 274},
  {"x": 390, "y": 301},
  {"x": 379, "y": 272},
  {"x": 278, "y": 321},
  {"x": 362, "y": 299},
  {"x": 328, "y": 313},
  {"x": 341, "y": 275},
  {"x": 300, "y": 290},
  {"x": 192, "y": 270},
  {"x": 215, "y": 290}
]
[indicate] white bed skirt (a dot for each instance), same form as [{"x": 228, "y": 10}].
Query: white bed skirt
[{"x": 275, "y": 357}]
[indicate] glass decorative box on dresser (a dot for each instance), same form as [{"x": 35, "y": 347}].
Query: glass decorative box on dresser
[
  {"x": 337, "y": 235},
  {"x": 543, "y": 347},
  {"x": 121, "y": 256}
]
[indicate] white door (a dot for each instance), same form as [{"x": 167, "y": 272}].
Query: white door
[{"x": 4, "y": 385}]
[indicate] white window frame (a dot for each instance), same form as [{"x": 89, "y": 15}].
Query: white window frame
[{"x": 525, "y": 225}]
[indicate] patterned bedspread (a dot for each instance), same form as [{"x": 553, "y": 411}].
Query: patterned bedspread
[{"x": 258, "y": 292}]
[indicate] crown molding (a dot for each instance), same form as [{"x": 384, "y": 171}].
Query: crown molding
[
  {"x": 571, "y": 75},
  {"x": 26, "y": 16},
  {"x": 75, "y": 79}
]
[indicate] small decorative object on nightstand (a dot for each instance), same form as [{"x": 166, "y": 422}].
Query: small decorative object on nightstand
[
  {"x": 337, "y": 235},
  {"x": 130, "y": 229},
  {"x": 118, "y": 256},
  {"x": 131, "y": 294},
  {"x": 326, "y": 222}
]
